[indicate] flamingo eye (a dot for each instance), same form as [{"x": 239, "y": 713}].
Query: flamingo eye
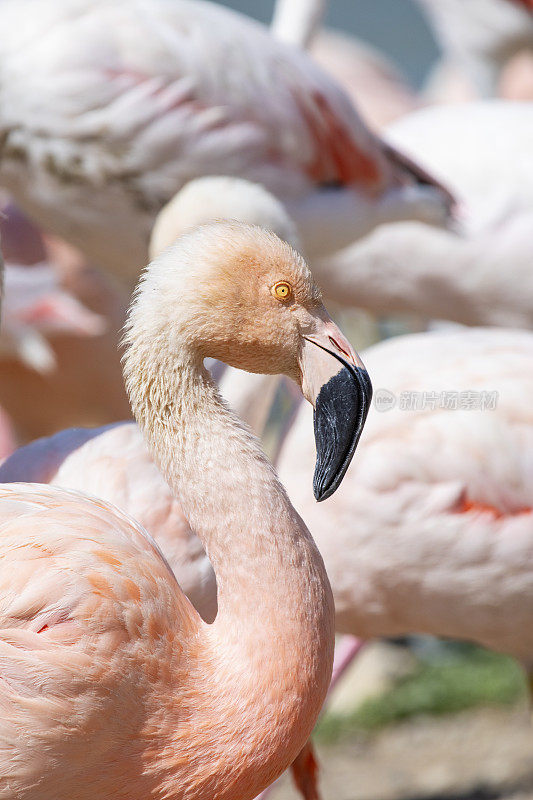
[{"x": 281, "y": 290}]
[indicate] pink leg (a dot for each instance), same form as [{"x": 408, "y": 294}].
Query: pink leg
[
  {"x": 345, "y": 652},
  {"x": 305, "y": 773},
  {"x": 305, "y": 768}
]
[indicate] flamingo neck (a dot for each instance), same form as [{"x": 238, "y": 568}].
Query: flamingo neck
[
  {"x": 271, "y": 645},
  {"x": 297, "y": 23}
]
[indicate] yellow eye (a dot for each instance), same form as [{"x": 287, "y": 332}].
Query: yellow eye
[{"x": 281, "y": 290}]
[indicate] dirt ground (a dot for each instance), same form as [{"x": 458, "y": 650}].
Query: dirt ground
[{"x": 476, "y": 755}]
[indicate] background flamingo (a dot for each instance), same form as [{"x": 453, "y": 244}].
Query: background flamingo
[
  {"x": 444, "y": 532},
  {"x": 480, "y": 37},
  {"x": 155, "y": 113},
  {"x": 443, "y": 538},
  {"x": 59, "y": 335},
  {"x": 481, "y": 276}
]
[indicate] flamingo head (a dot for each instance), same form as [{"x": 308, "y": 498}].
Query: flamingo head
[
  {"x": 220, "y": 198},
  {"x": 238, "y": 293}
]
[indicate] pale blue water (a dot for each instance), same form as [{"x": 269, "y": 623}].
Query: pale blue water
[{"x": 395, "y": 26}]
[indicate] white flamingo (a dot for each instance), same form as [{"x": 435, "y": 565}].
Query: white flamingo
[
  {"x": 479, "y": 37},
  {"x": 443, "y": 542},
  {"x": 480, "y": 277},
  {"x": 107, "y": 109}
]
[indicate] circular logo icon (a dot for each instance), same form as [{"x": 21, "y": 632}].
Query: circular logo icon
[{"x": 384, "y": 400}]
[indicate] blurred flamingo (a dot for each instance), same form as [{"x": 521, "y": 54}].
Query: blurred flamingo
[
  {"x": 479, "y": 39},
  {"x": 483, "y": 275},
  {"x": 108, "y": 109},
  {"x": 432, "y": 531},
  {"x": 441, "y": 493},
  {"x": 59, "y": 334}
]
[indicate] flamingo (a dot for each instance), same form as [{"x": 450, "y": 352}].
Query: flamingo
[
  {"x": 481, "y": 36},
  {"x": 297, "y": 21},
  {"x": 59, "y": 335},
  {"x": 112, "y": 462},
  {"x": 483, "y": 276},
  {"x": 372, "y": 81},
  {"x": 111, "y": 683},
  {"x": 108, "y": 109},
  {"x": 448, "y": 481}
]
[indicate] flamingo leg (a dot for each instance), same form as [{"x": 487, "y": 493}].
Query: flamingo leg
[
  {"x": 529, "y": 676},
  {"x": 345, "y": 652},
  {"x": 305, "y": 773}
]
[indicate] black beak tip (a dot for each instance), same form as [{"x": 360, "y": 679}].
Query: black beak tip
[{"x": 340, "y": 414}]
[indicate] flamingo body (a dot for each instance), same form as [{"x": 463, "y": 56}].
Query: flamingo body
[
  {"x": 479, "y": 276},
  {"x": 113, "y": 464},
  {"x": 481, "y": 36},
  {"x": 138, "y": 110},
  {"x": 446, "y": 543},
  {"x": 89, "y": 611}
]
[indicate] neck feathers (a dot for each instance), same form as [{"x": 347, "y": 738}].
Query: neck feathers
[{"x": 271, "y": 644}]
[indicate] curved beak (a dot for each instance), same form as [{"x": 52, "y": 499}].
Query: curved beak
[{"x": 336, "y": 383}]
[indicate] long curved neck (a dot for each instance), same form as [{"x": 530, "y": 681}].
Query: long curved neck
[
  {"x": 297, "y": 21},
  {"x": 271, "y": 643},
  {"x": 230, "y": 493}
]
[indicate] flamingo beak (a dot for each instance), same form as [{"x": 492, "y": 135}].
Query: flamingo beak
[{"x": 336, "y": 383}]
